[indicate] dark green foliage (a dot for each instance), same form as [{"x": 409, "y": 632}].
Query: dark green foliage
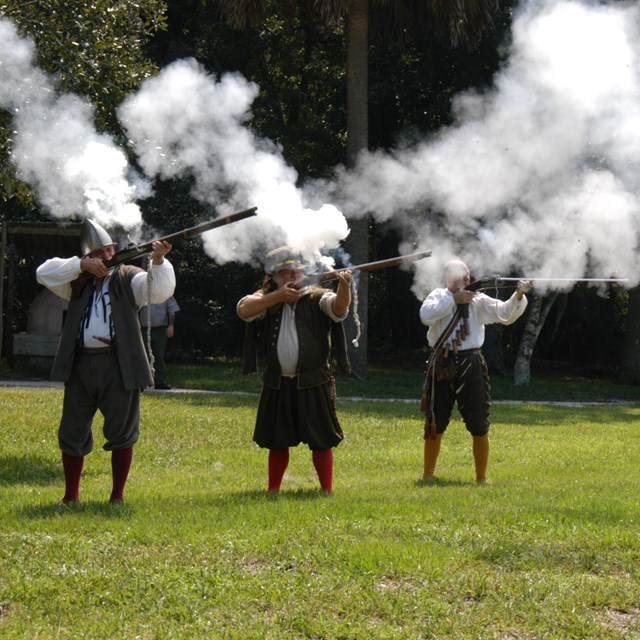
[
  {"x": 297, "y": 62},
  {"x": 103, "y": 50},
  {"x": 92, "y": 48}
]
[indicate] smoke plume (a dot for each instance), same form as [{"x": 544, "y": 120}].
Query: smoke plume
[
  {"x": 186, "y": 122},
  {"x": 56, "y": 148},
  {"x": 538, "y": 176}
]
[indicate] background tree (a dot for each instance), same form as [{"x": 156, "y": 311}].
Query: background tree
[
  {"x": 95, "y": 49},
  {"x": 461, "y": 23}
]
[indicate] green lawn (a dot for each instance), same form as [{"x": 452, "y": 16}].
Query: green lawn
[
  {"x": 398, "y": 382},
  {"x": 406, "y": 383},
  {"x": 550, "y": 549}
]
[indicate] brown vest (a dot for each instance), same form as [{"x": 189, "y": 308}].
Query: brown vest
[
  {"x": 317, "y": 333},
  {"x": 132, "y": 357}
]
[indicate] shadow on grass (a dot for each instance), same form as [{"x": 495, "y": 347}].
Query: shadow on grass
[
  {"x": 28, "y": 469},
  {"x": 438, "y": 481},
  {"x": 262, "y": 494},
  {"x": 90, "y": 508}
]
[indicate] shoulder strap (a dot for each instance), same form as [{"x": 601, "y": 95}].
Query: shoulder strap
[{"x": 444, "y": 336}]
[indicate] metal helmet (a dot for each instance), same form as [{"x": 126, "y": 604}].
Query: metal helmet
[
  {"x": 283, "y": 258},
  {"x": 93, "y": 237}
]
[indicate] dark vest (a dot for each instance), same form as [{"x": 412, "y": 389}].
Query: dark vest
[
  {"x": 316, "y": 334},
  {"x": 132, "y": 358}
]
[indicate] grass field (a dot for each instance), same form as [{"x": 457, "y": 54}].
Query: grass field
[
  {"x": 406, "y": 383},
  {"x": 550, "y": 549}
]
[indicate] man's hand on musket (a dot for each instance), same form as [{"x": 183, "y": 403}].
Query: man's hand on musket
[
  {"x": 343, "y": 294},
  {"x": 160, "y": 249},
  {"x": 462, "y": 296},
  {"x": 345, "y": 278},
  {"x": 288, "y": 292},
  {"x": 524, "y": 286},
  {"x": 94, "y": 262}
]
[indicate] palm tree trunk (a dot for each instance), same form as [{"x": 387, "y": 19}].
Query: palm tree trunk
[
  {"x": 357, "y": 244},
  {"x": 631, "y": 353}
]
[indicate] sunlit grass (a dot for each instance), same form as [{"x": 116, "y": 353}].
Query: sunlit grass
[
  {"x": 406, "y": 383},
  {"x": 550, "y": 549}
]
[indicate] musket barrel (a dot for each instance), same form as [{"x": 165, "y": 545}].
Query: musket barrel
[
  {"x": 378, "y": 264},
  {"x": 576, "y": 280},
  {"x": 144, "y": 248},
  {"x": 201, "y": 228},
  {"x": 493, "y": 281}
]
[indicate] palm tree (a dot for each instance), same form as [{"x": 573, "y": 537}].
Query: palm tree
[
  {"x": 631, "y": 352},
  {"x": 461, "y": 22}
]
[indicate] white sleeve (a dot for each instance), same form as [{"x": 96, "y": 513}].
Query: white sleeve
[
  {"x": 259, "y": 316},
  {"x": 438, "y": 305},
  {"x": 57, "y": 274},
  {"x": 326, "y": 305},
  {"x": 163, "y": 284},
  {"x": 492, "y": 310}
]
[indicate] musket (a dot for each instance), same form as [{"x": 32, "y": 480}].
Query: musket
[
  {"x": 494, "y": 282},
  {"x": 137, "y": 250},
  {"x": 374, "y": 266}
]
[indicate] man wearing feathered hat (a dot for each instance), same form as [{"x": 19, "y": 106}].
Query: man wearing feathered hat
[
  {"x": 101, "y": 356},
  {"x": 295, "y": 326}
]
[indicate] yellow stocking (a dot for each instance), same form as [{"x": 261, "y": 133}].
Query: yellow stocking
[
  {"x": 431, "y": 452},
  {"x": 481, "y": 456}
]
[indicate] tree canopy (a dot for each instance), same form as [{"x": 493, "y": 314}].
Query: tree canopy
[
  {"x": 93, "y": 48},
  {"x": 103, "y": 50}
]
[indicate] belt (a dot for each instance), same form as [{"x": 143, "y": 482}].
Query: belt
[
  {"x": 95, "y": 351},
  {"x": 465, "y": 352}
]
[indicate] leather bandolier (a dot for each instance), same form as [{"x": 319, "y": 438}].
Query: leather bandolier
[{"x": 441, "y": 366}]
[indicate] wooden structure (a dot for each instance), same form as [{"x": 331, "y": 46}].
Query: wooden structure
[{"x": 31, "y": 351}]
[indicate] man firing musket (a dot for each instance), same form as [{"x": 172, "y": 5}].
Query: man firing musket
[
  {"x": 101, "y": 356},
  {"x": 457, "y": 371}
]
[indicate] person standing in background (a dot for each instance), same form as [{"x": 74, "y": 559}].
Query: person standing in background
[{"x": 161, "y": 318}]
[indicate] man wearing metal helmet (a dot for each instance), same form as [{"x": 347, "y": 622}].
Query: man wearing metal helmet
[
  {"x": 101, "y": 357},
  {"x": 293, "y": 324}
]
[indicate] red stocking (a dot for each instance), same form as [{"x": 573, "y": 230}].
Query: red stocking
[
  {"x": 72, "y": 467},
  {"x": 120, "y": 465},
  {"x": 278, "y": 462},
  {"x": 323, "y": 462}
]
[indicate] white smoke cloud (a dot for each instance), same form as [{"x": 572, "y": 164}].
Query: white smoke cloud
[
  {"x": 185, "y": 122},
  {"x": 56, "y": 149},
  {"x": 537, "y": 176},
  {"x": 540, "y": 175}
]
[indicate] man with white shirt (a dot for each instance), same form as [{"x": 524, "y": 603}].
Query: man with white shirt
[
  {"x": 293, "y": 324},
  {"x": 468, "y": 380},
  {"x": 101, "y": 356}
]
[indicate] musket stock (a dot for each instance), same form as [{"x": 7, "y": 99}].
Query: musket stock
[
  {"x": 374, "y": 266},
  {"x": 136, "y": 251}
]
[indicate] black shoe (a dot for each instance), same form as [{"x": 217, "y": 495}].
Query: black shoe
[{"x": 164, "y": 386}]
